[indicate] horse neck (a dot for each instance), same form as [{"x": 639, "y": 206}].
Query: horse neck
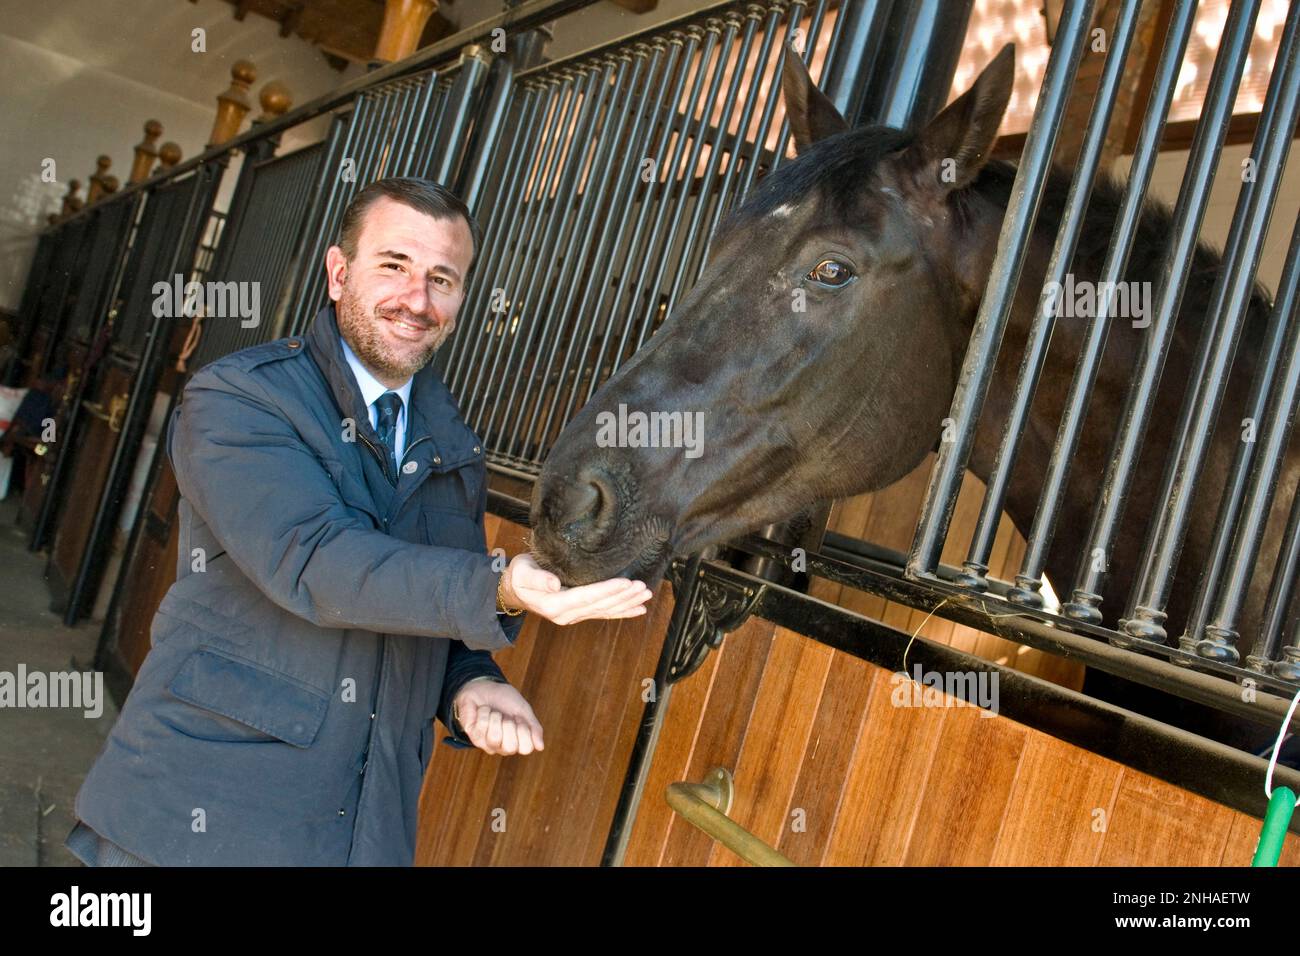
[{"x": 1125, "y": 346}]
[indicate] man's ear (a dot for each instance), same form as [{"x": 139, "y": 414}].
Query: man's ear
[
  {"x": 956, "y": 144},
  {"x": 812, "y": 116},
  {"x": 336, "y": 268}
]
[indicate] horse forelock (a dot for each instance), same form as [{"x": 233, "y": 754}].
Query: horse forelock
[{"x": 834, "y": 169}]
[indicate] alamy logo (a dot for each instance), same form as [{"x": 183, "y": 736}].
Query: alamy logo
[
  {"x": 222, "y": 300},
  {"x": 946, "y": 689},
  {"x": 639, "y": 429},
  {"x": 55, "y": 689},
  {"x": 102, "y": 909},
  {"x": 1084, "y": 299}
]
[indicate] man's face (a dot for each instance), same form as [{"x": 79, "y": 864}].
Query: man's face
[{"x": 397, "y": 299}]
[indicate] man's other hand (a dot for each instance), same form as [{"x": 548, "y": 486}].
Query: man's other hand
[
  {"x": 497, "y": 719},
  {"x": 527, "y": 585}
]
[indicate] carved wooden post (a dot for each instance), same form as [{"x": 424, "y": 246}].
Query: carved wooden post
[
  {"x": 403, "y": 25},
  {"x": 146, "y": 152},
  {"x": 234, "y": 104},
  {"x": 169, "y": 154},
  {"x": 275, "y": 99},
  {"x": 72, "y": 202},
  {"x": 97, "y": 178}
]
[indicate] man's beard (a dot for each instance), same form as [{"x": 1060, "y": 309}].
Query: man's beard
[{"x": 363, "y": 335}]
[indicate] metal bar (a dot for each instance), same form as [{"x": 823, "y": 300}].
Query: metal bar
[
  {"x": 559, "y": 111},
  {"x": 1076, "y": 640},
  {"x": 1040, "y": 336},
  {"x": 995, "y": 306},
  {"x": 539, "y": 210},
  {"x": 429, "y": 144},
  {"x": 336, "y": 145},
  {"x": 652, "y": 721},
  {"x": 861, "y": 26},
  {"x": 783, "y": 134},
  {"x": 610, "y": 239},
  {"x": 410, "y": 117},
  {"x": 460, "y": 104},
  {"x": 1188, "y": 214},
  {"x": 418, "y": 115},
  {"x": 562, "y": 221},
  {"x": 519, "y": 158},
  {"x": 558, "y": 307},
  {"x": 1275, "y": 431},
  {"x": 336, "y": 190},
  {"x": 933, "y": 32},
  {"x": 715, "y": 156},
  {"x": 675, "y": 67},
  {"x": 487, "y": 131},
  {"x": 371, "y": 156},
  {"x": 1214, "y": 360},
  {"x": 668, "y": 211},
  {"x": 326, "y": 199},
  {"x": 738, "y": 141},
  {"x": 1042, "y": 532}
]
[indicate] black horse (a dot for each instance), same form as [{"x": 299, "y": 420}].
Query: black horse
[{"x": 823, "y": 342}]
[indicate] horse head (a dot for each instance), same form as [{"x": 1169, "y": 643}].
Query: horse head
[{"x": 814, "y": 359}]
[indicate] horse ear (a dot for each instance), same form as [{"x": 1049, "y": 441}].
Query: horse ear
[
  {"x": 958, "y": 141},
  {"x": 812, "y": 116}
]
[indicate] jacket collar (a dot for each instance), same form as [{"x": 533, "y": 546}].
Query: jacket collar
[{"x": 431, "y": 412}]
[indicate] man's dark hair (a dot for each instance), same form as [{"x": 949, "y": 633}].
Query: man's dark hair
[{"x": 422, "y": 195}]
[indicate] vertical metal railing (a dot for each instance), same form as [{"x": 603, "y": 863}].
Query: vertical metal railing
[
  {"x": 618, "y": 164},
  {"x": 190, "y": 208},
  {"x": 995, "y": 307},
  {"x": 266, "y": 220}
]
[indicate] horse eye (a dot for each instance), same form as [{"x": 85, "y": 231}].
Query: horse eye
[{"x": 831, "y": 272}]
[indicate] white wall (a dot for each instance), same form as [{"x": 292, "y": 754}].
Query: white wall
[{"x": 80, "y": 77}]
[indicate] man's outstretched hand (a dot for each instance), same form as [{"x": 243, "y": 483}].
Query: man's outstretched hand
[{"x": 526, "y": 585}]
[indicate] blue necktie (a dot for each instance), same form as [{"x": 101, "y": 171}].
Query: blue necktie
[{"x": 388, "y": 405}]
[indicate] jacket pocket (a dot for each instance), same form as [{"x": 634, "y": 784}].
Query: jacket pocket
[{"x": 273, "y": 703}]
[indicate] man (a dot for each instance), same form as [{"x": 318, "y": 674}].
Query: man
[{"x": 334, "y": 590}]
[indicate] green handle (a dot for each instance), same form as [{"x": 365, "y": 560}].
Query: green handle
[{"x": 1276, "y": 820}]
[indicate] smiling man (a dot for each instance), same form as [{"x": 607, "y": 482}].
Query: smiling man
[{"x": 334, "y": 593}]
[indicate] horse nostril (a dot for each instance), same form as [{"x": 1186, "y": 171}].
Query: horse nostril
[
  {"x": 589, "y": 509},
  {"x": 584, "y": 500}
]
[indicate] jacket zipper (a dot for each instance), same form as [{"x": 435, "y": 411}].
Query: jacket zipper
[
  {"x": 379, "y": 659},
  {"x": 383, "y": 643},
  {"x": 383, "y": 459}
]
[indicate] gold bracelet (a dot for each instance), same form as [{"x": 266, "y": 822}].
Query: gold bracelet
[{"x": 502, "y": 607}]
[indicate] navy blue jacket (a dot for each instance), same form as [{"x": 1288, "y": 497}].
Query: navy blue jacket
[{"x": 325, "y": 612}]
